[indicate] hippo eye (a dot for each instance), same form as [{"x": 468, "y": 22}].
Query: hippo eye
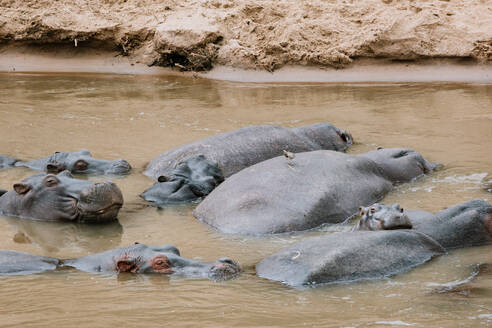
[
  {"x": 372, "y": 210},
  {"x": 50, "y": 181},
  {"x": 80, "y": 165}
]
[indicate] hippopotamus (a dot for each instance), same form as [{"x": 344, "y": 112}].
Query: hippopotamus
[
  {"x": 6, "y": 162},
  {"x": 60, "y": 197},
  {"x": 313, "y": 188},
  {"x": 138, "y": 258},
  {"x": 191, "y": 180},
  {"x": 236, "y": 150},
  {"x": 80, "y": 162},
  {"x": 349, "y": 256},
  {"x": 463, "y": 225}
]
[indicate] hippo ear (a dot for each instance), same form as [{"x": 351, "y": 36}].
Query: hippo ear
[
  {"x": 85, "y": 152},
  {"x": 127, "y": 265},
  {"x": 21, "y": 188},
  {"x": 396, "y": 206}
]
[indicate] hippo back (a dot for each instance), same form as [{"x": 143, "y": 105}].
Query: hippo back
[
  {"x": 463, "y": 225},
  {"x": 281, "y": 195},
  {"x": 349, "y": 256},
  {"x": 236, "y": 150}
]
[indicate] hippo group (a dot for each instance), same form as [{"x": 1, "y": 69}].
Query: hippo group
[{"x": 258, "y": 180}]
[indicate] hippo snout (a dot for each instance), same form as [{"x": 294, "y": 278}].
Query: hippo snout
[
  {"x": 100, "y": 203},
  {"x": 120, "y": 167},
  {"x": 224, "y": 268}
]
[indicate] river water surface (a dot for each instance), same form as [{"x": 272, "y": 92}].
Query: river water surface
[{"x": 139, "y": 117}]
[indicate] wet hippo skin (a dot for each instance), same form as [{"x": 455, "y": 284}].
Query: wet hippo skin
[
  {"x": 462, "y": 225},
  {"x": 60, "y": 197},
  {"x": 236, "y": 150},
  {"x": 349, "y": 256},
  {"x": 283, "y": 195},
  {"x": 17, "y": 263}
]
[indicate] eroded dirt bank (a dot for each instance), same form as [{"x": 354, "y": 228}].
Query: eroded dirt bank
[{"x": 252, "y": 34}]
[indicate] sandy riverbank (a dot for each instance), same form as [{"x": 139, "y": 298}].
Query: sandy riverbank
[{"x": 245, "y": 40}]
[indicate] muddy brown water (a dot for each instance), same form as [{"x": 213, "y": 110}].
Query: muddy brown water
[{"x": 139, "y": 117}]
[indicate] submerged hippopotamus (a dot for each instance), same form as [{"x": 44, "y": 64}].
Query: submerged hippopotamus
[
  {"x": 138, "y": 258},
  {"x": 62, "y": 198},
  {"x": 349, "y": 256},
  {"x": 191, "y": 180},
  {"x": 80, "y": 162},
  {"x": 304, "y": 192},
  {"x": 225, "y": 154},
  {"x": 6, "y": 162},
  {"x": 463, "y": 225}
]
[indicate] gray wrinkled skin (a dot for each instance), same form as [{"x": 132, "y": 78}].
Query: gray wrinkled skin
[
  {"x": 80, "y": 162},
  {"x": 17, "y": 263},
  {"x": 236, "y": 150},
  {"x": 191, "y": 180},
  {"x": 463, "y": 225},
  {"x": 382, "y": 217},
  {"x": 6, "y": 162},
  {"x": 60, "y": 197},
  {"x": 283, "y": 195},
  {"x": 349, "y": 256},
  {"x": 141, "y": 258}
]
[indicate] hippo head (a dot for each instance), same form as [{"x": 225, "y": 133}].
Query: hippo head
[
  {"x": 383, "y": 217},
  {"x": 141, "y": 258},
  {"x": 401, "y": 164},
  {"x": 62, "y": 198},
  {"x": 327, "y": 136},
  {"x": 80, "y": 162},
  {"x": 192, "y": 179}
]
